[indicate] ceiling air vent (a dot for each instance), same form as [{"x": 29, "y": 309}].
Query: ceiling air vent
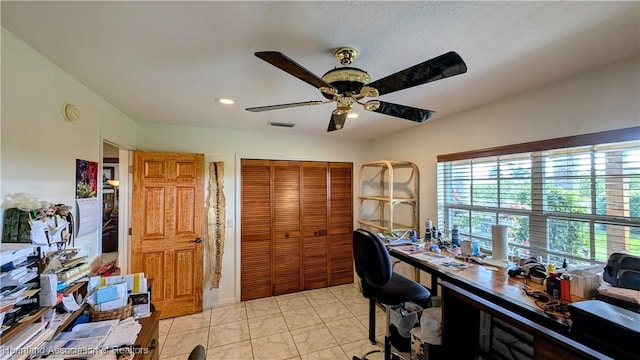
[{"x": 281, "y": 124}]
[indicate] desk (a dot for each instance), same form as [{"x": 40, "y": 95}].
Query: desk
[
  {"x": 469, "y": 294},
  {"x": 493, "y": 285},
  {"x": 148, "y": 338}
]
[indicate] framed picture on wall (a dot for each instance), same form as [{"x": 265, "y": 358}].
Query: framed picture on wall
[{"x": 108, "y": 173}]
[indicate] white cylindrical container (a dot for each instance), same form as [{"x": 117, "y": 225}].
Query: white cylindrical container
[{"x": 499, "y": 239}]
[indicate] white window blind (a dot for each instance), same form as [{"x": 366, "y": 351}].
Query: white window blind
[{"x": 579, "y": 203}]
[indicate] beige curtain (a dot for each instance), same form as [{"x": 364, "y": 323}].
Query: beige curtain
[{"x": 216, "y": 216}]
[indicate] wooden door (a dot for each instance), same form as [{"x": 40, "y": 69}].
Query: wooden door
[
  {"x": 340, "y": 223},
  {"x": 314, "y": 224},
  {"x": 255, "y": 233},
  {"x": 168, "y": 225},
  {"x": 286, "y": 236}
]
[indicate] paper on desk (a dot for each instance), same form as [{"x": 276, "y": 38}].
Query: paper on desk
[
  {"x": 95, "y": 324},
  {"x": 430, "y": 257},
  {"x": 125, "y": 333},
  {"x": 69, "y": 303},
  {"x": 73, "y": 346},
  {"x": 452, "y": 264},
  {"x": 85, "y": 333},
  {"x": 78, "y": 342}
]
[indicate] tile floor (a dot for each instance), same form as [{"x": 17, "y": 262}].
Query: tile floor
[{"x": 329, "y": 323}]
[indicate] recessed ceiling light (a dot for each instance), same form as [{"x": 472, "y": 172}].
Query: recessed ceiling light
[
  {"x": 226, "y": 101},
  {"x": 353, "y": 115}
]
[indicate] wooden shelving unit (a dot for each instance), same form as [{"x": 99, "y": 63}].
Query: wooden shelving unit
[
  {"x": 389, "y": 200},
  {"x": 36, "y": 315}
]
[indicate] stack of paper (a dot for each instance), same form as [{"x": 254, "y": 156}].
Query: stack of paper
[
  {"x": 429, "y": 257},
  {"x": 125, "y": 333},
  {"x": 18, "y": 276},
  {"x": 14, "y": 253},
  {"x": 82, "y": 340},
  {"x": 11, "y": 348}
]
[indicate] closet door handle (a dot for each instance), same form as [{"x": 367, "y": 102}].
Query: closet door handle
[{"x": 197, "y": 240}]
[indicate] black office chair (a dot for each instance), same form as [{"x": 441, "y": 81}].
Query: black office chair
[
  {"x": 381, "y": 284},
  {"x": 198, "y": 353}
]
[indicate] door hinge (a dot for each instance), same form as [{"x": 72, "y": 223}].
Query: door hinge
[
  {"x": 130, "y": 231},
  {"x": 130, "y": 169}
]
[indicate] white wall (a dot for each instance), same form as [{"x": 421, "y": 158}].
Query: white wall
[
  {"x": 604, "y": 99},
  {"x": 39, "y": 148},
  {"x": 230, "y": 146}
]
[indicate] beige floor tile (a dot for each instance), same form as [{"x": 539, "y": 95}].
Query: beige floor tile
[
  {"x": 333, "y": 311},
  {"x": 262, "y": 307},
  {"x": 313, "y": 338},
  {"x": 274, "y": 347},
  {"x": 359, "y": 306},
  {"x": 236, "y": 351},
  {"x": 292, "y": 302},
  {"x": 228, "y": 313},
  {"x": 191, "y": 322},
  {"x": 228, "y": 333},
  {"x": 359, "y": 348},
  {"x": 334, "y": 353},
  {"x": 267, "y": 325},
  {"x": 320, "y": 297},
  {"x": 301, "y": 318},
  {"x": 177, "y": 357},
  {"x": 329, "y": 323},
  {"x": 345, "y": 292},
  {"x": 381, "y": 321},
  {"x": 161, "y": 340},
  {"x": 164, "y": 326},
  {"x": 183, "y": 342},
  {"x": 347, "y": 330}
]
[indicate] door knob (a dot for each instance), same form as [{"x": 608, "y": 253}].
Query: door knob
[{"x": 197, "y": 240}]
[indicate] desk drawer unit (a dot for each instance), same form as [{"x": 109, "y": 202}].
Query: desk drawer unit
[{"x": 147, "y": 344}]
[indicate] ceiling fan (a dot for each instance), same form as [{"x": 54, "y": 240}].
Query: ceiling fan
[{"x": 348, "y": 85}]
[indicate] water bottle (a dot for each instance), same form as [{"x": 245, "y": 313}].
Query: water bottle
[
  {"x": 427, "y": 233},
  {"x": 455, "y": 236}
]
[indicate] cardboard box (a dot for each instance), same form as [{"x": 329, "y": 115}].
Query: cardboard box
[{"x": 583, "y": 283}]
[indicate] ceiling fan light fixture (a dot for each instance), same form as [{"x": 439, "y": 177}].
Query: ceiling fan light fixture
[
  {"x": 328, "y": 90},
  {"x": 225, "y": 100},
  {"x": 346, "y": 55},
  {"x": 371, "y": 105},
  {"x": 368, "y": 91},
  {"x": 347, "y": 74}
]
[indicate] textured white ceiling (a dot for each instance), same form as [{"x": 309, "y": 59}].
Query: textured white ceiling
[{"x": 165, "y": 62}]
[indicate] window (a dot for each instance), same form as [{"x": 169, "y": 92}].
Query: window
[{"x": 575, "y": 198}]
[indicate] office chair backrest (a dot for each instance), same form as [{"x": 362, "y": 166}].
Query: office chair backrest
[
  {"x": 198, "y": 353},
  {"x": 371, "y": 257}
]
